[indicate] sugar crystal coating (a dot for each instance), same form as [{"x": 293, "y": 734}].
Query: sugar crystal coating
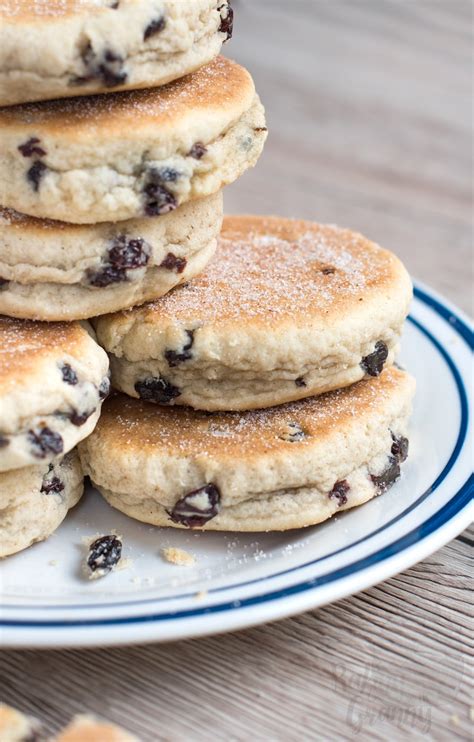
[
  {"x": 220, "y": 80},
  {"x": 276, "y": 275},
  {"x": 172, "y": 429}
]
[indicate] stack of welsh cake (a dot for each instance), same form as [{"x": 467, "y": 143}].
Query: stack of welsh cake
[
  {"x": 119, "y": 126},
  {"x": 253, "y": 365}
]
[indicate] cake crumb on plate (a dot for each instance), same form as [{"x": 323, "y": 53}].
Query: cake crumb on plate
[{"x": 178, "y": 556}]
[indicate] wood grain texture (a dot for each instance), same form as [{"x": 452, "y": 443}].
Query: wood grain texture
[
  {"x": 390, "y": 663},
  {"x": 369, "y": 112}
]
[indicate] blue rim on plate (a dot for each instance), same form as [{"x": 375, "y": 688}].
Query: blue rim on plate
[{"x": 454, "y": 506}]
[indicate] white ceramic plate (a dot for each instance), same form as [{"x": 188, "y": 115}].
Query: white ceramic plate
[{"x": 239, "y": 580}]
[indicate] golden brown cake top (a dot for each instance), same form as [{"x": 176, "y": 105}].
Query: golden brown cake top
[
  {"x": 27, "y": 11},
  {"x": 220, "y": 90},
  {"x": 271, "y": 270},
  {"x": 26, "y": 345},
  {"x": 25, "y": 224},
  {"x": 128, "y": 424}
]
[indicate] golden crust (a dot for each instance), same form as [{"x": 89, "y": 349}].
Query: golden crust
[
  {"x": 129, "y": 425},
  {"x": 280, "y": 272},
  {"x": 221, "y": 88},
  {"x": 26, "y": 345},
  {"x": 25, "y": 224},
  {"x": 39, "y": 11}
]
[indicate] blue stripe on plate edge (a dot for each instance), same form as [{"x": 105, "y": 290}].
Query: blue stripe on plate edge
[
  {"x": 463, "y": 496},
  {"x": 454, "y": 506},
  {"x": 438, "y": 481}
]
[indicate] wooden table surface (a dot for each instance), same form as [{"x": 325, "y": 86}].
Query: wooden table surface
[{"x": 368, "y": 106}]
